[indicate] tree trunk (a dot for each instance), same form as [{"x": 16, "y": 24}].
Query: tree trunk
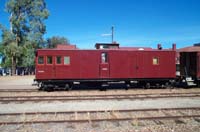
[{"x": 13, "y": 69}]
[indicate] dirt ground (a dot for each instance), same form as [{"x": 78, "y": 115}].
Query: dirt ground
[{"x": 16, "y": 82}]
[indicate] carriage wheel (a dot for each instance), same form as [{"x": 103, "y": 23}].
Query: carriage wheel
[
  {"x": 68, "y": 87},
  {"x": 147, "y": 85}
]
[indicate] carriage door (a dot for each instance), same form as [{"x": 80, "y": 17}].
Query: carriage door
[
  {"x": 104, "y": 65},
  {"x": 50, "y": 69}
]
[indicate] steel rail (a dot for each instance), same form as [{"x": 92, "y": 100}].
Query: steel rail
[
  {"x": 102, "y": 111},
  {"x": 101, "y": 119},
  {"x": 92, "y": 98},
  {"x": 99, "y": 95},
  {"x": 18, "y": 90},
  {"x": 59, "y": 90}
]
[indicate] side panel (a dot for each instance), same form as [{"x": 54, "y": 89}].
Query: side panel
[
  {"x": 89, "y": 64},
  {"x": 133, "y": 65},
  {"x": 119, "y": 64},
  {"x": 86, "y": 64},
  {"x": 156, "y": 64},
  {"x": 69, "y": 67},
  {"x": 83, "y": 65},
  {"x": 104, "y": 70},
  {"x": 45, "y": 70},
  {"x": 40, "y": 68}
]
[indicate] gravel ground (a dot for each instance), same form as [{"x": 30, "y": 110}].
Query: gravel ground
[
  {"x": 96, "y": 115},
  {"x": 100, "y": 105},
  {"x": 97, "y": 92},
  {"x": 22, "y": 82},
  {"x": 131, "y": 126}
]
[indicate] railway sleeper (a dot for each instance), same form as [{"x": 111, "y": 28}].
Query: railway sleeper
[
  {"x": 158, "y": 122},
  {"x": 179, "y": 121},
  {"x": 197, "y": 120}
]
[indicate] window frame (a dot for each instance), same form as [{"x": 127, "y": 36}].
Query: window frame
[
  {"x": 157, "y": 61},
  {"x": 105, "y": 60},
  {"x": 47, "y": 60},
  {"x": 43, "y": 60},
  {"x": 69, "y": 60},
  {"x": 61, "y": 62}
]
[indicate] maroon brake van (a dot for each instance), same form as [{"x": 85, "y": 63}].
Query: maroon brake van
[{"x": 106, "y": 63}]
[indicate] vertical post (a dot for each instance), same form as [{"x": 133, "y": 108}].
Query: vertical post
[
  {"x": 112, "y": 28},
  {"x": 159, "y": 46}
]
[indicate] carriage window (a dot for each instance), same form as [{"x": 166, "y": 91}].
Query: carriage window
[
  {"x": 155, "y": 61},
  {"x": 58, "y": 59},
  {"x": 104, "y": 57},
  {"x": 49, "y": 59},
  {"x": 40, "y": 60},
  {"x": 66, "y": 60}
]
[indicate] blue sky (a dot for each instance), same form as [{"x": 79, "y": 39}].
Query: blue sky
[{"x": 137, "y": 22}]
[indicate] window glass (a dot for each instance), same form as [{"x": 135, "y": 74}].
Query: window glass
[
  {"x": 49, "y": 60},
  {"x": 40, "y": 60},
  {"x": 66, "y": 60},
  {"x": 104, "y": 57},
  {"x": 155, "y": 61},
  {"x": 58, "y": 59}
]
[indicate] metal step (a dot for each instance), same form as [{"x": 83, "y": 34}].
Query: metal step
[
  {"x": 190, "y": 81},
  {"x": 191, "y": 84}
]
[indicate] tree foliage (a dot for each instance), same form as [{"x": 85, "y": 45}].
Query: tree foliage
[
  {"x": 28, "y": 55},
  {"x": 55, "y": 40},
  {"x": 26, "y": 32},
  {"x": 27, "y": 19},
  {"x": 9, "y": 48}
]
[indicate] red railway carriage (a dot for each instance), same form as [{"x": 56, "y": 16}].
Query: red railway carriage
[
  {"x": 190, "y": 64},
  {"x": 107, "y": 63}
]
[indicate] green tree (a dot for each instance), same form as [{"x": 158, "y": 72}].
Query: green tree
[
  {"x": 1, "y": 53},
  {"x": 28, "y": 55},
  {"x": 26, "y": 26},
  {"x": 9, "y": 49},
  {"x": 27, "y": 19},
  {"x": 55, "y": 40}
]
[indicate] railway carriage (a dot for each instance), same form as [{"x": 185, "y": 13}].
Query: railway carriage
[
  {"x": 190, "y": 65},
  {"x": 66, "y": 66}
]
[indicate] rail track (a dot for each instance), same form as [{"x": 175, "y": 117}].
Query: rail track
[
  {"x": 58, "y": 90},
  {"x": 18, "y": 90},
  {"x": 176, "y": 114},
  {"x": 40, "y": 98}
]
